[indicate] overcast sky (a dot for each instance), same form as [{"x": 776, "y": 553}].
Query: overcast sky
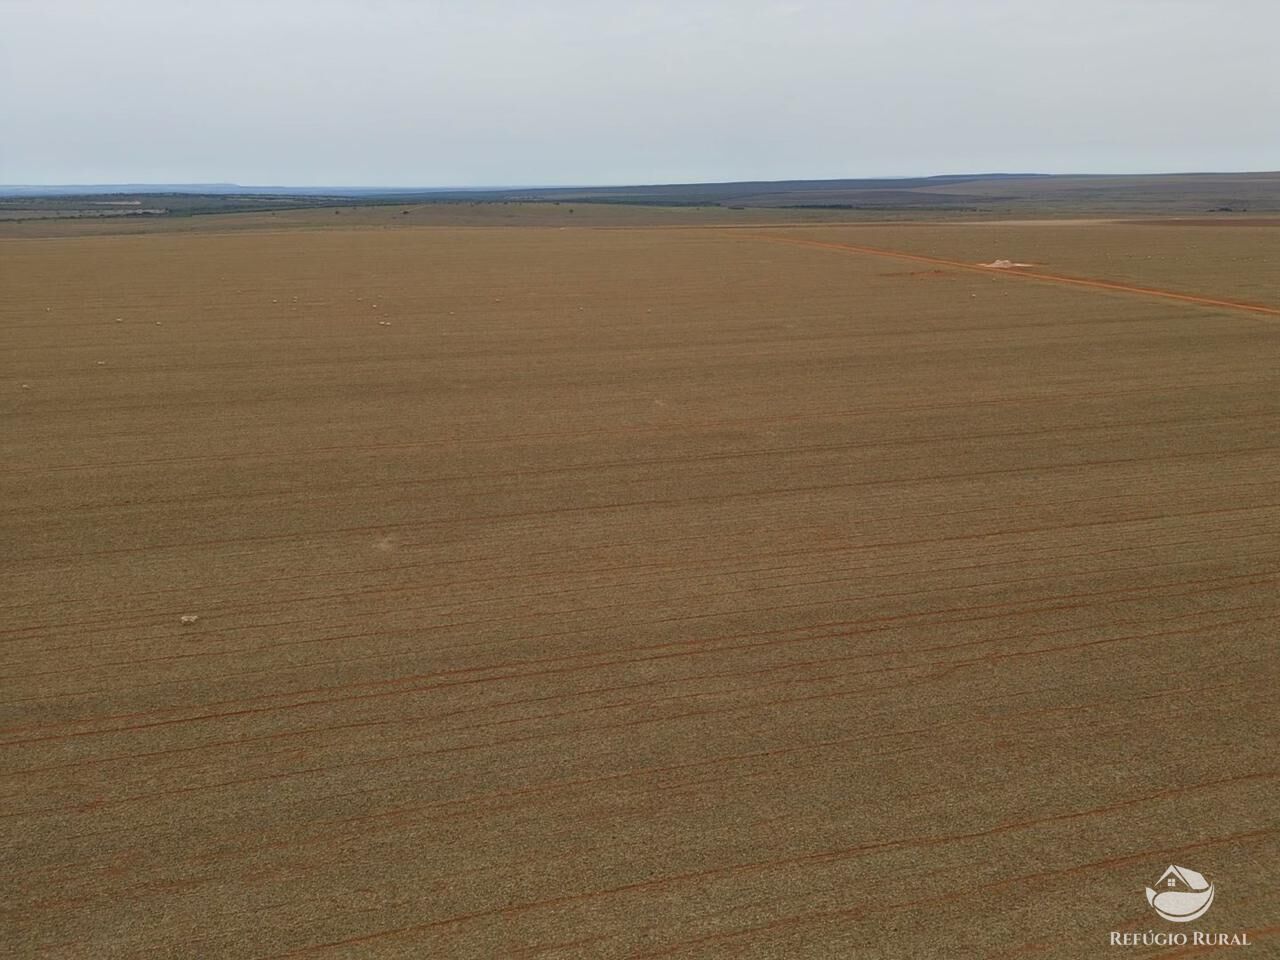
[{"x": 482, "y": 92}]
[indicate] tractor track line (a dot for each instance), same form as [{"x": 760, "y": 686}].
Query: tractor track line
[{"x": 1030, "y": 275}]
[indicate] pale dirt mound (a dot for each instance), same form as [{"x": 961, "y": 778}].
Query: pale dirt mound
[{"x": 1005, "y": 264}]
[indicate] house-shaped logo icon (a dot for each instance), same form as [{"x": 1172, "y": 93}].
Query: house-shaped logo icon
[{"x": 1181, "y": 895}]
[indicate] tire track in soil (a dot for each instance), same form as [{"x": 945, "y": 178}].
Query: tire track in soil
[{"x": 1111, "y": 285}]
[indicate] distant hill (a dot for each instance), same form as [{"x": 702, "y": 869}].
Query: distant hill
[
  {"x": 1000, "y": 193},
  {"x": 1194, "y": 192},
  {"x": 684, "y": 190}
]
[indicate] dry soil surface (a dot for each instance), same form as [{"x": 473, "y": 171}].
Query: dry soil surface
[{"x": 602, "y": 593}]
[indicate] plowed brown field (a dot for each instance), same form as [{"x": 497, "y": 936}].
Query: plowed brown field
[{"x": 647, "y": 592}]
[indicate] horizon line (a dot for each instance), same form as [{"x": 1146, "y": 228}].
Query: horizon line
[{"x": 187, "y": 185}]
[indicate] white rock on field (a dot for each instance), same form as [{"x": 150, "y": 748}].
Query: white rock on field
[{"x": 188, "y": 618}]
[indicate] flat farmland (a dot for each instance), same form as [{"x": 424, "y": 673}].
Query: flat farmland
[
  {"x": 1240, "y": 261},
  {"x": 645, "y": 591}
]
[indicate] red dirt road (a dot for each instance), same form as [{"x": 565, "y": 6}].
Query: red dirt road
[{"x": 1260, "y": 308}]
